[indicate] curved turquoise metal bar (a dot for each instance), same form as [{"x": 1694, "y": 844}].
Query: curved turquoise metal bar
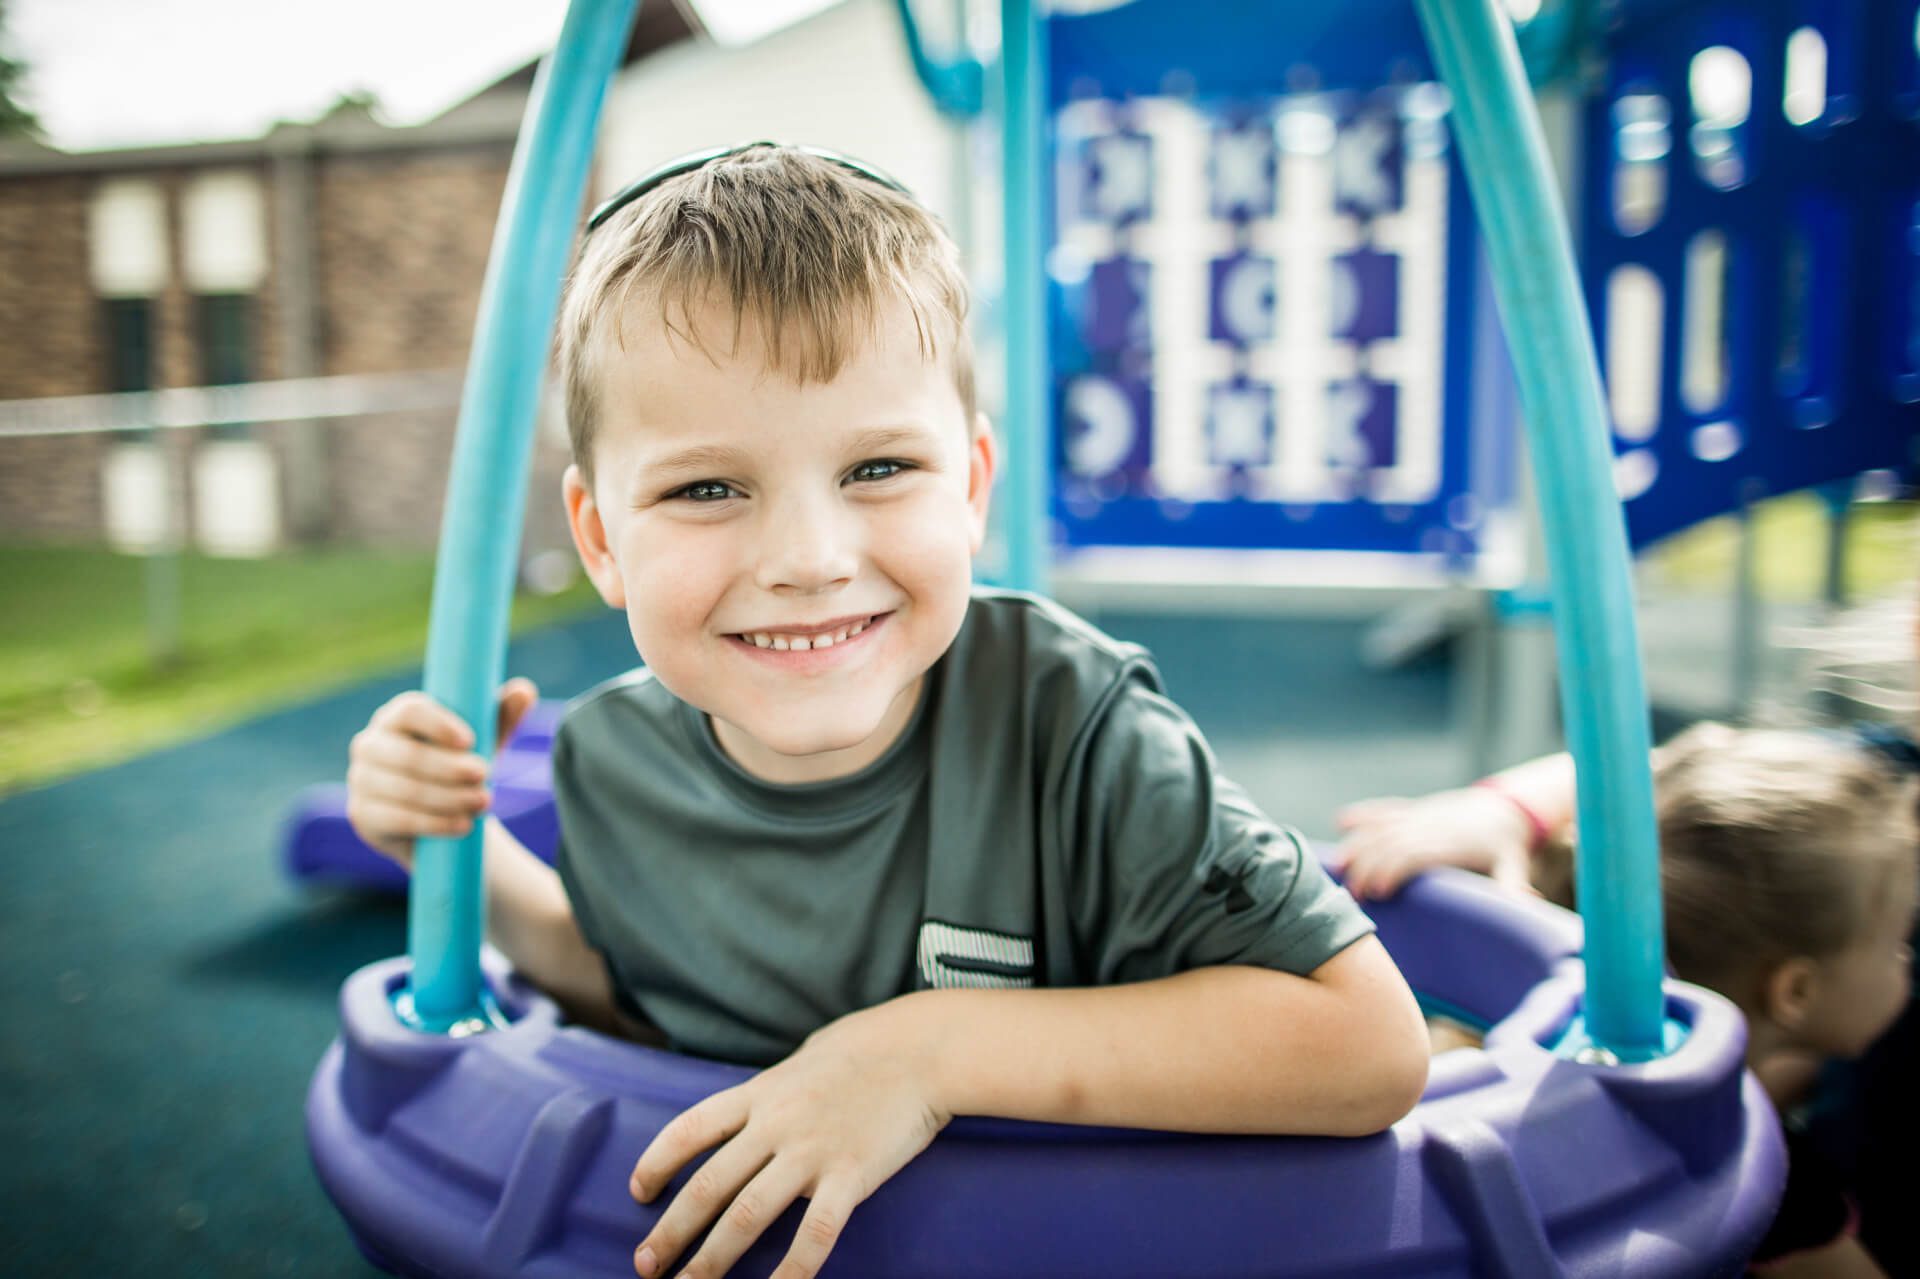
[
  {"x": 1603, "y": 693},
  {"x": 957, "y": 86},
  {"x": 1028, "y": 426},
  {"x": 486, "y": 491}
]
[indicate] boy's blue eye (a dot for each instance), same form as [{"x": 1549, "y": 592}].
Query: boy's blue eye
[
  {"x": 704, "y": 491},
  {"x": 878, "y": 469}
]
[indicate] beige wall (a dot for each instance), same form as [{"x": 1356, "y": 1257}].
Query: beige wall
[{"x": 840, "y": 80}]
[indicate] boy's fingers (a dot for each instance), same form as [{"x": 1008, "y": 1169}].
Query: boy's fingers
[
  {"x": 394, "y": 822},
  {"x": 1377, "y": 879},
  {"x": 517, "y": 697},
  {"x": 712, "y": 1190},
  {"x": 1355, "y": 858},
  {"x": 402, "y": 791},
  {"x": 757, "y": 1205},
  {"x": 418, "y": 715},
  {"x": 417, "y": 760},
  {"x": 1367, "y": 810},
  {"x": 699, "y": 1127},
  {"x": 819, "y": 1231}
]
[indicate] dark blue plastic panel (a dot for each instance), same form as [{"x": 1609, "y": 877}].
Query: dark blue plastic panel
[
  {"x": 1808, "y": 370},
  {"x": 1267, "y": 305}
]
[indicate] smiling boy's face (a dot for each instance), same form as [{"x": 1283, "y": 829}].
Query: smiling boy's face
[{"x": 792, "y": 558}]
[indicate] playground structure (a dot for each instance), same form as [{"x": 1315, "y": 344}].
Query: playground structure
[{"x": 1680, "y": 1158}]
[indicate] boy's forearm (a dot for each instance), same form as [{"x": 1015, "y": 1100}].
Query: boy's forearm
[
  {"x": 1547, "y": 787},
  {"x": 531, "y": 922},
  {"x": 1230, "y": 1049}
]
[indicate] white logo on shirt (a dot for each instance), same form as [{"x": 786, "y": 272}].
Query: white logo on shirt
[{"x": 951, "y": 957}]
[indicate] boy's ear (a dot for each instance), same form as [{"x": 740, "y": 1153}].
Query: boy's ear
[
  {"x": 1789, "y": 992},
  {"x": 983, "y": 460},
  {"x": 590, "y": 539}
]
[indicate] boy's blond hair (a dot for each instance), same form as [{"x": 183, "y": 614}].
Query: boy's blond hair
[
  {"x": 1774, "y": 844},
  {"x": 808, "y": 248}
]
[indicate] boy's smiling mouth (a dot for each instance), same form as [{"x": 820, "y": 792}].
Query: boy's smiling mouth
[{"x": 815, "y": 638}]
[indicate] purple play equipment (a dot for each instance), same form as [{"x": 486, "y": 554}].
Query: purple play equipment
[
  {"x": 320, "y": 847},
  {"x": 507, "y": 1153}
]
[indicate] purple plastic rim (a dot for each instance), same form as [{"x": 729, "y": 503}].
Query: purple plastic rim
[{"x": 508, "y": 1153}]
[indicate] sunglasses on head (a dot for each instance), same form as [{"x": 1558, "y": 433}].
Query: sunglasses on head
[{"x": 701, "y": 159}]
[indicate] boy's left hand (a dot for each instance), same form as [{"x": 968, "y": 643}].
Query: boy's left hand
[{"x": 832, "y": 1122}]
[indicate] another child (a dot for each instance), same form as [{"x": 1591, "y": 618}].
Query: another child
[
  {"x": 919, "y": 849},
  {"x": 1790, "y": 871}
]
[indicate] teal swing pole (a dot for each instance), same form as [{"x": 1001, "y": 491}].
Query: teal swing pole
[
  {"x": 1028, "y": 469},
  {"x": 1603, "y": 693},
  {"x": 486, "y": 489}
]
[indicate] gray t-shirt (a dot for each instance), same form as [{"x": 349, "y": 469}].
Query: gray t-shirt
[{"x": 1048, "y": 818}]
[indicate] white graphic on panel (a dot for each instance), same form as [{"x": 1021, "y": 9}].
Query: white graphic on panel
[
  {"x": 1264, "y": 298},
  {"x": 1242, "y": 432},
  {"x": 1243, "y": 169},
  {"x": 1100, "y": 426},
  {"x": 1246, "y": 290},
  {"x": 1364, "y": 170},
  {"x": 1122, "y": 173}
]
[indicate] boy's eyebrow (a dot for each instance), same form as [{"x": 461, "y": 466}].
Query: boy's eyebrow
[
  {"x": 701, "y": 457},
  {"x": 881, "y": 438},
  {"x": 719, "y": 457}
]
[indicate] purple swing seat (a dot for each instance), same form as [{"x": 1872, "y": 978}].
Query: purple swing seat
[{"x": 507, "y": 1153}]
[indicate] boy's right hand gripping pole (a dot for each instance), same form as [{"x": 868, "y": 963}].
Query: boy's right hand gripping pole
[
  {"x": 1497, "y": 126},
  {"x": 486, "y": 489}
]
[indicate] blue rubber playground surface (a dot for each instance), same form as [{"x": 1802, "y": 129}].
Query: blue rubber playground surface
[{"x": 167, "y": 992}]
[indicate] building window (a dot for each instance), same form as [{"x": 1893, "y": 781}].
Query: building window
[
  {"x": 129, "y": 324},
  {"x": 129, "y": 344},
  {"x": 226, "y": 335}
]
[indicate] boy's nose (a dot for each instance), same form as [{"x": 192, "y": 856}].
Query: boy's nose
[{"x": 807, "y": 546}]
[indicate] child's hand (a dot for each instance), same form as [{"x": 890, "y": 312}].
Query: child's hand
[
  {"x": 832, "y": 1122},
  {"x": 1388, "y": 841},
  {"x": 412, "y": 770}
]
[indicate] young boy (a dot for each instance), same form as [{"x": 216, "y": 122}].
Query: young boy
[{"x": 921, "y": 850}]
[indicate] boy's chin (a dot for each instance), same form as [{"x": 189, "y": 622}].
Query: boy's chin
[
  {"x": 815, "y": 751},
  {"x": 817, "y": 743}
]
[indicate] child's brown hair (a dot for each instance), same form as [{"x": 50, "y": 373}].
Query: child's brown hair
[
  {"x": 806, "y": 246},
  {"x": 1774, "y": 844}
]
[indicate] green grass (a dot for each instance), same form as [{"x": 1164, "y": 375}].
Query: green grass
[
  {"x": 78, "y": 683},
  {"x": 79, "y": 687},
  {"x": 1790, "y": 551}
]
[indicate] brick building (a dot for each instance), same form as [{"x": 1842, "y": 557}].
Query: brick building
[{"x": 342, "y": 246}]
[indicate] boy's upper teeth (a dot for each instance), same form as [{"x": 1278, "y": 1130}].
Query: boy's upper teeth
[{"x": 785, "y": 642}]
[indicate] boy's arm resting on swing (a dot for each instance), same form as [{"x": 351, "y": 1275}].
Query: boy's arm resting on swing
[
  {"x": 1341, "y": 1051},
  {"x": 1230, "y": 1049}
]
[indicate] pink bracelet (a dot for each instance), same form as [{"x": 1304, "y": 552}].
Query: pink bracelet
[{"x": 1541, "y": 832}]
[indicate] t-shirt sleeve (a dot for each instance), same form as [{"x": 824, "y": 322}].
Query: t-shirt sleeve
[{"x": 1170, "y": 866}]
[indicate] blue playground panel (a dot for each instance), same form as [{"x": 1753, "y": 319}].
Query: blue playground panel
[
  {"x": 1245, "y": 349},
  {"x": 1268, "y": 330},
  {"x": 1802, "y": 214}
]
